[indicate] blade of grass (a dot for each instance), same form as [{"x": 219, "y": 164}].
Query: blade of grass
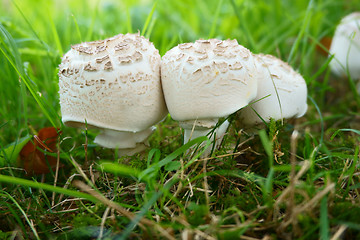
[
  {"x": 268, "y": 147},
  {"x": 33, "y": 30},
  {"x": 344, "y": 130},
  {"x": 31, "y": 225},
  {"x": 128, "y": 21},
  {"x": 93, "y": 19},
  {"x": 47, "y": 187},
  {"x": 15, "y": 215},
  {"x": 148, "y": 19},
  {"x": 155, "y": 167},
  {"x": 48, "y": 111},
  {"x": 125, "y": 234},
  {"x": 243, "y": 24},
  {"x": 10, "y": 153},
  {"x": 351, "y": 172},
  {"x": 120, "y": 169},
  {"x": 324, "y": 220},
  {"x": 77, "y": 27},
  {"x": 152, "y": 24},
  {"x": 321, "y": 121},
  {"x": 307, "y": 20},
  {"x": 54, "y": 31},
  {"x": 215, "y": 20}
]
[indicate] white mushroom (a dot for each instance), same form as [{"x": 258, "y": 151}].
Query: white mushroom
[
  {"x": 345, "y": 47},
  {"x": 113, "y": 85},
  {"x": 281, "y": 92},
  {"x": 205, "y": 81}
]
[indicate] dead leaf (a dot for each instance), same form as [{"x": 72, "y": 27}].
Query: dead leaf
[
  {"x": 325, "y": 42},
  {"x": 36, "y": 161}
]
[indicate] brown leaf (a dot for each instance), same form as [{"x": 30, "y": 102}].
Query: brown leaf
[
  {"x": 34, "y": 160},
  {"x": 325, "y": 42}
]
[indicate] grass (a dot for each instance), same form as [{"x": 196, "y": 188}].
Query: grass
[{"x": 299, "y": 180}]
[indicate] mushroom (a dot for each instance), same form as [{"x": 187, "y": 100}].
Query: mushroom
[
  {"x": 205, "y": 81},
  {"x": 345, "y": 47},
  {"x": 113, "y": 85},
  {"x": 282, "y": 92}
]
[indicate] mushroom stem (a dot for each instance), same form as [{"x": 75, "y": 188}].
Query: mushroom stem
[
  {"x": 197, "y": 128},
  {"x": 126, "y": 142}
]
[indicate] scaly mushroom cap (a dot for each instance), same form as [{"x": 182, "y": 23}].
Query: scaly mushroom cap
[
  {"x": 207, "y": 79},
  {"x": 112, "y": 84},
  {"x": 346, "y": 47},
  {"x": 286, "y": 101}
]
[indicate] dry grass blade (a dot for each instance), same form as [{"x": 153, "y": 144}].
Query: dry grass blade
[
  {"x": 339, "y": 232},
  {"x": 82, "y": 186},
  {"x": 56, "y": 172},
  {"x": 292, "y": 218},
  {"x": 103, "y": 220},
  {"x": 225, "y": 155}
]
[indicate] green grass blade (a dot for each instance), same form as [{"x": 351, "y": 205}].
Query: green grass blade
[
  {"x": 18, "y": 219},
  {"x": 22, "y": 212},
  {"x": 32, "y": 29},
  {"x": 155, "y": 167},
  {"x": 243, "y": 24},
  {"x": 345, "y": 130},
  {"x": 151, "y": 27},
  {"x": 215, "y": 20},
  {"x": 77, "y": 28},
  {"x": 144, "y": 210},
  {"x": 10, "y": 153},
  {"x": 148, "y": 19},
  {"x": 55, "y": 33},
  {"x": 128, "y": 21},
  {"x": 93, "y": 20},
  {"x": 300, "y": 36},
  {"x": 268, "y": 146},
  {"x": 324, "y": 220},
  {"x": 321, "y": 121},
  {"x": 15, "y": 61},
  {"x": 47, "y": 187},
  {"x": 121, "y": 170}
]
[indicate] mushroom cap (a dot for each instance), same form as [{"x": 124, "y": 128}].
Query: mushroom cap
[
  {"x": 207, "y": 79},
  {"x": 345, "y": 46},
  {"x": 112, "y": 84},
  {"x": 290, "y": 93}
]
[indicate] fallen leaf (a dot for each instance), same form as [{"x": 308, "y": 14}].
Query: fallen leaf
[
  {"x": 33, "y": 157},
  {"x": 325, "y": 42}
]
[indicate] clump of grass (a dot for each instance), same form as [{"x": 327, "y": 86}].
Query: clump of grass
[{"x": 297, "y": 180}]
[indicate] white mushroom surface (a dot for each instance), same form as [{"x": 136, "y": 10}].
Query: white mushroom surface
[
  {"x": 114, "y": 85},
  {"x": 205, "y": 81},
  {"x": 281, "y": 93},
  {"x": 345, "y": 47}
]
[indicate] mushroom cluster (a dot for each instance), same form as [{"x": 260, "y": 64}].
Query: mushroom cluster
[{"x": 115, "y": 85}]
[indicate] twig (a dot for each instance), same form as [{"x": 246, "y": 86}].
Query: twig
[
  {"x": 338, "y": 233},
  {"x": 103, "y": 220},
  {"x": 206, "y": 186},
  {"x": 225, "y": 155},
  {"x": 56, "y": 172},
  {"x": 291, "y": 200}
]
